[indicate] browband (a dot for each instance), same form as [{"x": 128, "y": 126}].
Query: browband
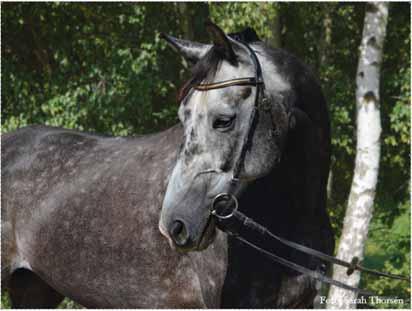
[{"x": 226, "y": 83}]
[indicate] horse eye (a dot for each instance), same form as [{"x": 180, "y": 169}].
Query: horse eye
[{"x": 223, "y": 122}]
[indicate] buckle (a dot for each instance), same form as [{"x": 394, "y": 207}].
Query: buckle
[
  {"x": 265, "y": 103},
  {"x": 234, "y": 180}
]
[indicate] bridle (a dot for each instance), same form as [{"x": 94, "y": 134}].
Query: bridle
[
  {"x": 260, "y": 100},
  {"x": 224, "y": 206}
]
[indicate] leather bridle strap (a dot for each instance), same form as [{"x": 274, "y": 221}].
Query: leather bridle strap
[
  {"x": 309, "y": 272},
  {"x": 229, "y": 219},
  {"x": 351, "y": 266},
  {"x": 247, "y": 140},
  {"x": 222, "y": 84},
  {"x": 306, "y": 271}
]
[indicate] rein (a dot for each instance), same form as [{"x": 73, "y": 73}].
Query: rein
[
  {"x": 228, "y": 217},
  {"x": 225, "y": 205}
]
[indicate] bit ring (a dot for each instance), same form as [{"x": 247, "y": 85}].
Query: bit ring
[{"x": 222, "y": 213}]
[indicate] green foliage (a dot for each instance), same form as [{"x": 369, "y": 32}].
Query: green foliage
[
  {"x": 65, "y": 304},
  {"x": 103, "y": 67},
  {"x": 235, "y": 16},
  {"x": 388, "y": 249},
  {"x": 106, "y": 75},
  {"x": 5, "y": 301},
  {"x": 69, "y": 304}
]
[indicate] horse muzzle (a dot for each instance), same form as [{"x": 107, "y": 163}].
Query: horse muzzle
[{"x": 183, "y": 236}]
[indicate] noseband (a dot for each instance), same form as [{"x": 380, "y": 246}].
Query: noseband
[{"x": 225, "y": 205}]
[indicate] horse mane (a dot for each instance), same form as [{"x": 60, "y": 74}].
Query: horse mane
[{"x": 205, "y": 69}]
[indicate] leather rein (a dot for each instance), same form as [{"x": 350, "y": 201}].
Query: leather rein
[{"x": 225, "y": 205}]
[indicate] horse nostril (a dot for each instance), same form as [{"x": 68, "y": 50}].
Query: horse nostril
[{"x": 179, "y": 233}]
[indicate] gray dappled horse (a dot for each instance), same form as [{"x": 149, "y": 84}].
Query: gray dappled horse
[{"x": 80, "y": 212}]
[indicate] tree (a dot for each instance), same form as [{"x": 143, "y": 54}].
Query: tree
[
  {"x": 273, "y": 23},
  {"x": 362, "y": 194},
  {"x": 192, "y": 20}
]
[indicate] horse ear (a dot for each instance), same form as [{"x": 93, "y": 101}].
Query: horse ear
[
  {"x": 221, "y": 42},
  {"x": 191, "y": 51}
]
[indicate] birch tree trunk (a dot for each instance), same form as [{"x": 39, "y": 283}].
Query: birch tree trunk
[{"x": 362, "y": 193}]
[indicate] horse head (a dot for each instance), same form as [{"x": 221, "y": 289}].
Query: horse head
[{"x": 235, "y": 121}]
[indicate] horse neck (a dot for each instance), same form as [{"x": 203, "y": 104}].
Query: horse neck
[{"x": 269, "y": 201}]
